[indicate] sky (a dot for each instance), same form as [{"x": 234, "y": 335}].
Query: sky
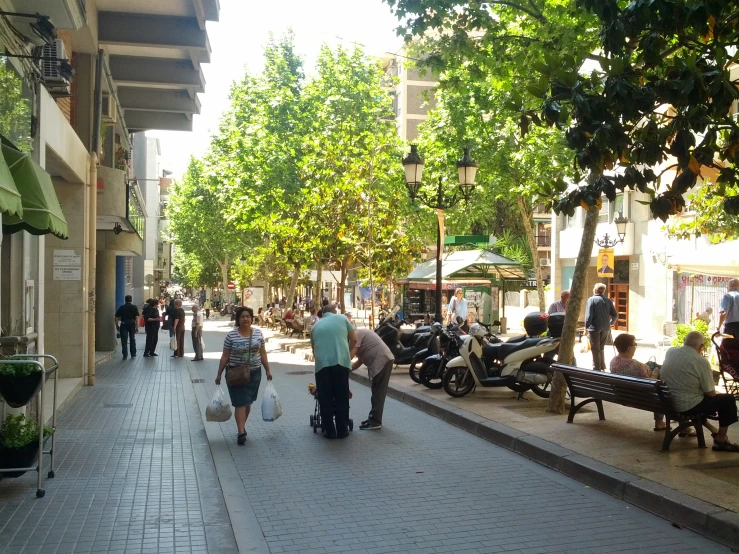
[{"x": 237, "y": 43}]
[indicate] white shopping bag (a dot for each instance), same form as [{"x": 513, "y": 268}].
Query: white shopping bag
[
  {"x": 173, "y": 344},
  {"x": 219, "y": 408},
  {"x": 271, "y": 404}
]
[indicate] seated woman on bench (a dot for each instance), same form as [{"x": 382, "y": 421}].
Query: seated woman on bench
[{"x": 625, "y": 364}]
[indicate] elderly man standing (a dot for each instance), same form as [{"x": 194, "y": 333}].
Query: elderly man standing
[
  {"x": 126, "y": 323},
  {"x": 729, "y": 313},
  {"x": 197, "y": 333},
  {"x": 600, "y": 314},
  {"x": 689, "y": 376},
  {"x": 332, "y": 339},
  {"x": 371, "y": 351},
  {"x": 561, "y": 305},
  {"x": 178, "y": 324}
]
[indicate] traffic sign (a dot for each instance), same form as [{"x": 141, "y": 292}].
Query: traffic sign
[{"x": 231, "y": 285}]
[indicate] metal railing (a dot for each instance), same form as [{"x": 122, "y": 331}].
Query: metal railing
[{"x": 544, "y": 241}]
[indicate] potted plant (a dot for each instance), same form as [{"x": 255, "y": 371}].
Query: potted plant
[
  {"x": 19, "y": 444},
  {"x": 19, "y": 382}
]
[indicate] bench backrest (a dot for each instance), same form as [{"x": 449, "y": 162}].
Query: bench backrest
[{"x": 644, "y": 394}]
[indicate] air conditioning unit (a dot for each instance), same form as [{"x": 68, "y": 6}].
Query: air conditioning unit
[
  {"x": 544, "y": 262},
  {"x": 56, "y": 82},
  {"x": 109, "y": 111}
]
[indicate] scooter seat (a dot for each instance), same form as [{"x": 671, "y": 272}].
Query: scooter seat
[
  {"x": 404, "y": 355},
  {"x": 490, "y": 351},
  {"x": 406, "y": 337},
  {"x": 508, "y": 348}
]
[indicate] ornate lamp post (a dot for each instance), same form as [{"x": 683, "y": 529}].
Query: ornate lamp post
[
  {"x": 607, "y": 241},
  {"x": 467, "y": 169}
]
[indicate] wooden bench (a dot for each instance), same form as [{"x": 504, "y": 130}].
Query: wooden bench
[{"x": 643, "y": 394}]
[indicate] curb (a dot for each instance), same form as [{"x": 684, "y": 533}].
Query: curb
[{"x": 709, "y": 520}]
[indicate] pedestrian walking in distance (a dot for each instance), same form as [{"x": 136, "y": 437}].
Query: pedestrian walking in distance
[
  {"x": 151, "y": 327},
  {"x": 126, "y": 321},
  {"x": 600, "y": 314},
  {"x": 332, "y": 338},
  {"x": 207, "y": 306},
  {"x": 197, "y": 333},
  {"x": 372, "y": 352},
  {"x": 243, "y": 354},
  {"x": 729, "y": 313},
  {"x": 179, "y": 329}
]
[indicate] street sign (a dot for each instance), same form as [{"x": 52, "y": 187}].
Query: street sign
[{"x": 231, "y": 285}]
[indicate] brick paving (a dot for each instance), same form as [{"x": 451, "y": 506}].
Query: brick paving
[
  {"x": 418, "y": 485},
  {"x": 134, "y": 471},
  {"x": 136, "y": 474}
]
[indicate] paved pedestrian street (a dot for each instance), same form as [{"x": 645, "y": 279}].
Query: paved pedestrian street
[{"x": 140, "y": 471}]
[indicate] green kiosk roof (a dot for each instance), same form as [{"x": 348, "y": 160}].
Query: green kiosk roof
[
  {"x": 469, "y": 264},
  {"x": 41, "y": 213}
]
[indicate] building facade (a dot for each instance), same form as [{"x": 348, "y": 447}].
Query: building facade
[{"x": 84, "y": 76}]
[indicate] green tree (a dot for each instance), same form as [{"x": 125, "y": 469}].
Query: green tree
[
  {"x": 707, "y": 215},
  {"x": 197, "y": 220}
]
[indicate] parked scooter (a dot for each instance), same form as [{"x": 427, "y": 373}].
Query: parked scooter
[
  {"x": 442, "y": 348},
  {"x": 405, "y": 345},
  {"x": 520, "y": 366}
]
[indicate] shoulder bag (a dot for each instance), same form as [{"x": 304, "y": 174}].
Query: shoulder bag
[{"x": 239, "y": 375}]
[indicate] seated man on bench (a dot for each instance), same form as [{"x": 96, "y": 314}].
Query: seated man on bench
[{"x": 689, "y": 376}]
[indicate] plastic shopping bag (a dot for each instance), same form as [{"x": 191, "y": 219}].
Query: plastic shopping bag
[
  {"x": 219, "y": 408},
  {"x": 271, "y": 404},
  {"x": 173, "y": 344}
]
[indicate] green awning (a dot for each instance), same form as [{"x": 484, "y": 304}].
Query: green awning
[
  {"x": 42, "y": 213},
  {"x": 10, "y": 198}
]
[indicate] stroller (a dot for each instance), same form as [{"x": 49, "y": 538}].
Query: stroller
[
  {"x": 315, "y": 418},
  {"x": 728, "y": 362}
]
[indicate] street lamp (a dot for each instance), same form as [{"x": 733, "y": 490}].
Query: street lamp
[
  {"x": 467, "y": 169},
  {"x": 607, "y": 241}
]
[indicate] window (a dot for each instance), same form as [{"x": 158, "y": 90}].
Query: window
[
  {"x": 604, "y": 213},
  {"x": 617, "y": 207},
  {"x": 15, "y": 106}
]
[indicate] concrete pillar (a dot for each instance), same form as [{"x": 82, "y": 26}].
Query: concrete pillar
[
  {"x": 105, "y": 339},
  {"x": 120, "y": 280}
]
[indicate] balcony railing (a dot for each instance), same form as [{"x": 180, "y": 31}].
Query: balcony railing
[{"x": 544, "y": 241}]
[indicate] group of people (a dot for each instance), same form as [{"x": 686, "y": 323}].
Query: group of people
[
  {"x": 127, "y": 324},
  {"x": 335, "y": 342}
]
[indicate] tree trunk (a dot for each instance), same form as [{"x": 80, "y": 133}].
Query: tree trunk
[
  {"x": 224, "y": 266},
  {"x": 577, "y": 297},
  {"x": 293, "y": 285},
  {"x": 526, "y": 214},
  {"x": 342, "y": 284},
  {"x": 318, "y": 296},
  {"x": 391, "y": 294}
]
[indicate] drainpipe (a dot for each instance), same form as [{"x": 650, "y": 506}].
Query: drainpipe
[{"x": 92, "y": 218}]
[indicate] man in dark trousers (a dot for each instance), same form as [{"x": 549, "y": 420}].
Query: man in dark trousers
[
  {"x": 332, "y": 338},
  {"x": 600, "y": 314},
  {"x": 126, "y": 320},
  {"x": 178, "y": 325},
  {"x": 372, "y": 352},
  {"x": 151, "y": 326}
]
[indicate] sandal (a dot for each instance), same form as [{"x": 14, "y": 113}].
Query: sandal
[
  {"x": 241, "y": 439},
  {"x": 725, "y": 446}
]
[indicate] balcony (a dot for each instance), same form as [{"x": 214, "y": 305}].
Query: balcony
[
  {"x": 543, "y": 241},
  {"x": 118, "y": 229}
]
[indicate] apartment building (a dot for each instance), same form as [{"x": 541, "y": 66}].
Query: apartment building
[{"x": 84, "y": 76}]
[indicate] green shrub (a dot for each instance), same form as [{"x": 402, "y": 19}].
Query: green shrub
[
  {"x": 18, "y": 370},
  {"x": 17, "y": 431},
  {"x": 697, "y": 325}
]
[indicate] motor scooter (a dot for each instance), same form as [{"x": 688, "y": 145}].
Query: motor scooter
[{"x": 521, "y": 366}]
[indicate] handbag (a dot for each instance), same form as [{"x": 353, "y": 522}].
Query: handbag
[{"x": 238, "y": 375}]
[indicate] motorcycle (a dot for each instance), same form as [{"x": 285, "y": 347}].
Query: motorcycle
[
  {"x": 404, "y": 344},
  {"x": 521, "y": 365},
  {"x": 442, "y": 348}
]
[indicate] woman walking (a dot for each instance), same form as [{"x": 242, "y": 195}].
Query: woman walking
[
  {"x": 243, "y": 356},
  {"x": 151, "y": 325}
]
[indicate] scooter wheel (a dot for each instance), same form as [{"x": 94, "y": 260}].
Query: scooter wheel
[
  {"x": 311, "y": 421},
  {"x": 457, "y": 382},
  {"x": 351, "y": 425},
  {"x": 428, "y": 378},
  {"x": 413, "y": 373}
]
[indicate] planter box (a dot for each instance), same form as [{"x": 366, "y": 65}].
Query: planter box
[
  {"x": 17, "y": 391},
  {"x": 18, "y": 457}
]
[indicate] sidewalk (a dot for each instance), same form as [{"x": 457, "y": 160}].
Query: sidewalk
[
  {"x": 697, "y": 488},
  {"x": 134, "y": 471}
]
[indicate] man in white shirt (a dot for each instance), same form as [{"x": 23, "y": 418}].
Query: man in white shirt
[
  {"x": 561, "y": 305},
  {"x": 197, "y": 333},
  {"x": 689, "y": 376}
]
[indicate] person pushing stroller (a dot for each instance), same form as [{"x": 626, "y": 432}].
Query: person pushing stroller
[{"x": 332, "y": 338}]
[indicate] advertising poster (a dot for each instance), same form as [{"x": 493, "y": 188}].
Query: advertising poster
[{"x": 606, "y": 262}]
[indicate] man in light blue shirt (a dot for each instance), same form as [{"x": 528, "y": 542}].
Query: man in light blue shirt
[
  {"x": 332, "y": 338},
  {"x": 729, "y": 314}
]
